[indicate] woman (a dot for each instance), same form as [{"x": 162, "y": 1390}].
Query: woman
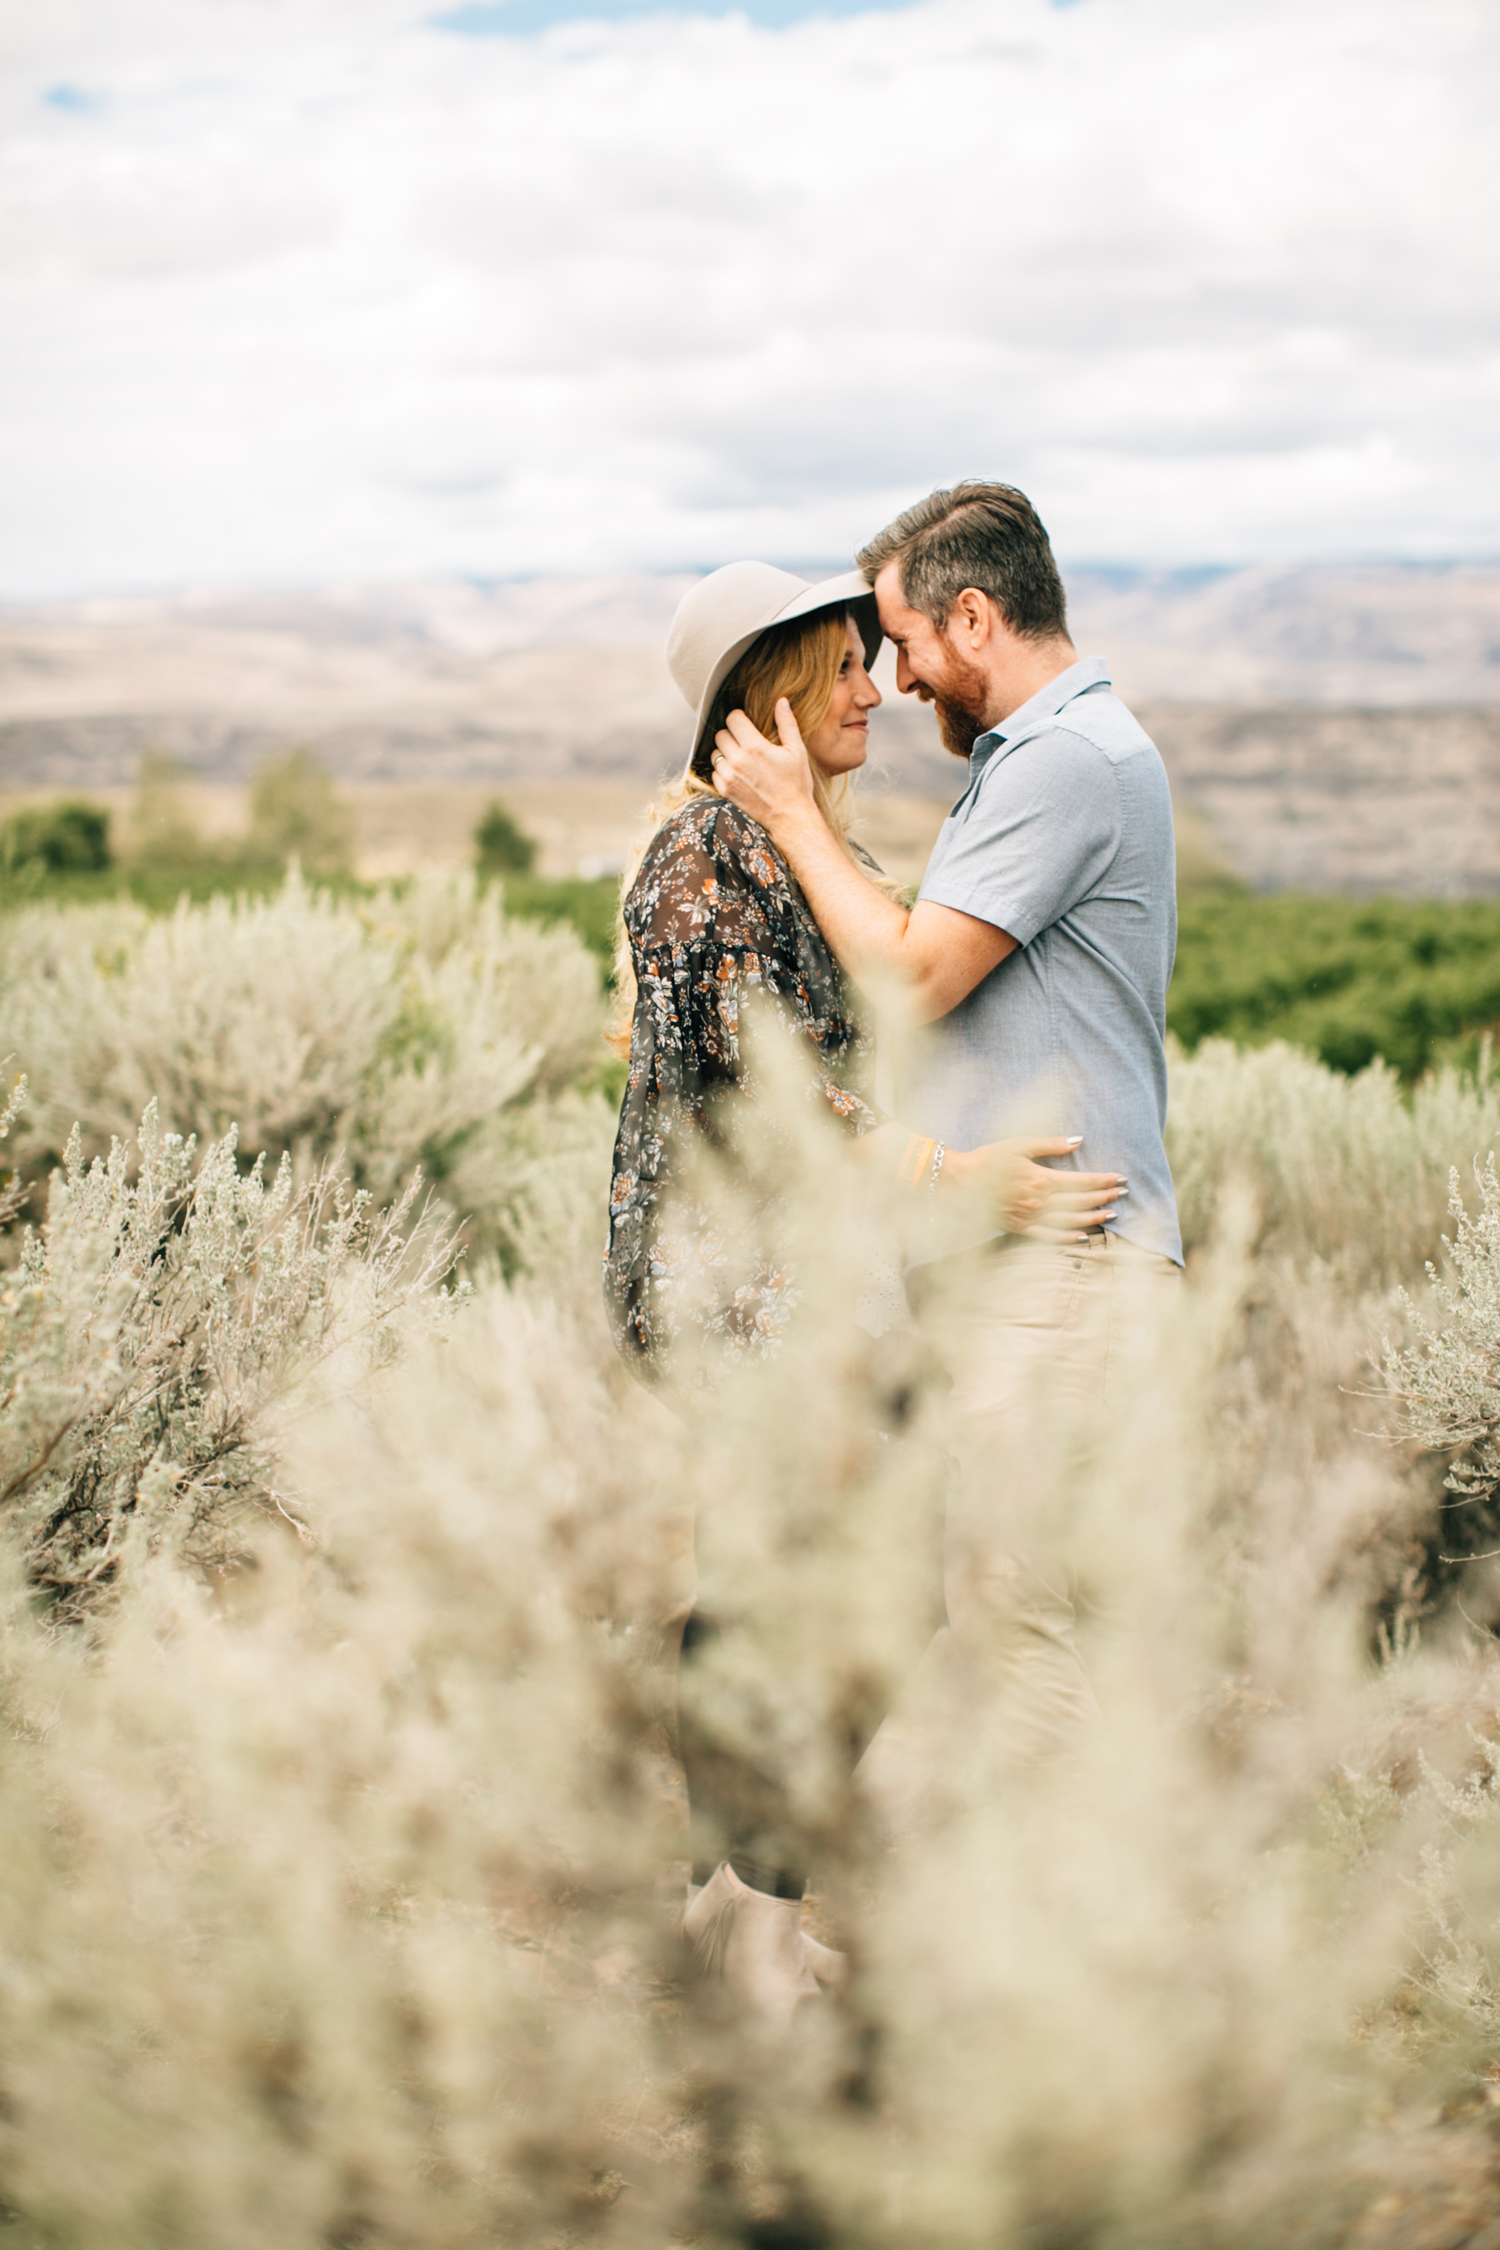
[{"x": 719, "y": 954}]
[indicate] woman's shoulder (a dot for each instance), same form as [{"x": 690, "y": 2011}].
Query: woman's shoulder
[{"x": 713, "y": 829}]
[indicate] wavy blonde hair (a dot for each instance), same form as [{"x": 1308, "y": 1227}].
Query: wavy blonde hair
[{"x": 801, "y": 661}]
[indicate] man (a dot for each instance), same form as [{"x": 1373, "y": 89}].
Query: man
[{"x": 1038, "y": 955}]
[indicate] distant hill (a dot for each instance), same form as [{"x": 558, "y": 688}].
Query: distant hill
[
  {"x": 1363, "y": 634},
  {"x": 1337, "y": 726}
]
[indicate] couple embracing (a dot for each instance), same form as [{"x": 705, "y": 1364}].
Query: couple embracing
[{"x": 1037, "y": 956}]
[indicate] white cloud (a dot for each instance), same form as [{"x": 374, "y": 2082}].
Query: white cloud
[{"x": 312, "y": 289}]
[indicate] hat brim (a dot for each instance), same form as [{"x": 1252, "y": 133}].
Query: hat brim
[{"x": 851, "y": 591}]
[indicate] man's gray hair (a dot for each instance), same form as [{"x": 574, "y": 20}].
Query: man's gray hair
[{"x": 987, "y": 536}]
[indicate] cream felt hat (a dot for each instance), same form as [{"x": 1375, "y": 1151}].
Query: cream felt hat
[{"x": 727, "y": 611}]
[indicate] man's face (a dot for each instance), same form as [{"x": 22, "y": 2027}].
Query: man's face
[{"x": 929, "y": 666}]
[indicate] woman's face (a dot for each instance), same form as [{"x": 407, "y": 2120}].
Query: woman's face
[{"x": 841, "y": 740}]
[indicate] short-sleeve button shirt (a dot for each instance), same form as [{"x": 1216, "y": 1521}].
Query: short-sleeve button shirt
[{"x": 1063, "y": 838}]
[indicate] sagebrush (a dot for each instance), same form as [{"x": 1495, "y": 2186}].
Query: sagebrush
[
  {"x": 344, "y": 1829},
  {"x": 424, "y": 1029}
]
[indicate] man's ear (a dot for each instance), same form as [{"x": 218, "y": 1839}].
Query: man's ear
[{"x": 971, "y": 620}]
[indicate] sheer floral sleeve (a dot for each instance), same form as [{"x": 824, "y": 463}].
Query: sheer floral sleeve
[{"x": 720, "y": 938}]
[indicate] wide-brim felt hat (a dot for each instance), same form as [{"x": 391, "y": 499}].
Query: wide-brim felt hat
[{"x": 726, "y": 613}]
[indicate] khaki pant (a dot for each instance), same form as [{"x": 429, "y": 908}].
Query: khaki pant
[
  {"x": 1037, "y": 1328},
  {"x": 1029, "y": 1332}
]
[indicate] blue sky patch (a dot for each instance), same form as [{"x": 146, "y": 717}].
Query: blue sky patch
[
  {"x": 488, "y": 19},
  {"x": 491, "y": 19},
  {"x": 72, "y": 98}
]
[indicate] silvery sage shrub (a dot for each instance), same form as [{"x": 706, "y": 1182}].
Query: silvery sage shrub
[
  {"x": 169, "y": 1304},
  {"x": 420, "y": 1029},
  {"x": 1448, "y": 1378},
  {"x": 1445, "y": 1379},
  {"x": 342, "y": 1911},
  {"x": 1351, "y": 1173}
]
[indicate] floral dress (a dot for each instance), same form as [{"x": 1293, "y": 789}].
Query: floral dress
[{"x": 726, "y": 956}]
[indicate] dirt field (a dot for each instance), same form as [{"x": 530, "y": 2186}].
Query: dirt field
[{"x": 583, "y": 828}]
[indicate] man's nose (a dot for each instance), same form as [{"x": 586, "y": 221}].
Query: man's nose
[{"x": 906, "y": 678}]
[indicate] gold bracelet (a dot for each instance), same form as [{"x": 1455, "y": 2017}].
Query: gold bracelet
[{"x": 915, "y": 1158}]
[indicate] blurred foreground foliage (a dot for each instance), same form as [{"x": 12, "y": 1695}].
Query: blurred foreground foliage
[{"x": 344, "y": 1837}]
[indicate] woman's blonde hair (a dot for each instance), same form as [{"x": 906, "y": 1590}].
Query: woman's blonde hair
[{"x": 801, "y": 661}]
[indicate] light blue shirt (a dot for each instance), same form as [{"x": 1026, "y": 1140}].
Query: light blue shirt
[{"x": 1063, "y": 838}]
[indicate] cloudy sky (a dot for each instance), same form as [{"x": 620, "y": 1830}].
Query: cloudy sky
[{"x": 308, "y": 290}]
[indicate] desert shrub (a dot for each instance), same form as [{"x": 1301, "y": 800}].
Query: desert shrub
[
  {"x": 1351, "y": 979},
  {"x": 501, "y": 845},
  {"x": 587, "y": 905},
  {"x": 420, "y": 1030},
  {"x": 341, "y": 1901},
  {"x": 297, "y": 812},
  {"x": 167, "y": 1303},
  {"x": 67, "y": 837},
  {"x": 1353, "y": 1172},
  {"x": 1448, "y": 1378},
  {"x": 344, "y": 1835},
  {"x": 1347, "y": 1184}
]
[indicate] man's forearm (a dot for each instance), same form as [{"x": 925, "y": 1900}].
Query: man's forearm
[
  {"x": 939, "y": 952},
  {"x": 863, "y": 927}
]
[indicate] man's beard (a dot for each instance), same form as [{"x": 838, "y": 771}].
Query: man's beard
[{"x": 961, "y": 702}]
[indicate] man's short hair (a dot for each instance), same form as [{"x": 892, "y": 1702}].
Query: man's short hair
[{"x": 987, "y": 536}]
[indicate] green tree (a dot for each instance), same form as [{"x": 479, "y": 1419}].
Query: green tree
[
  {"x": 162, "y": 832},
  {"x": 67, "y": 837},
  {"x": 502, "y": 846},
  {"x": 297, "y": 811}
]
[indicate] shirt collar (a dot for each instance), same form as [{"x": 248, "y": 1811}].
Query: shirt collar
[{"x": 1089, "y": 671}]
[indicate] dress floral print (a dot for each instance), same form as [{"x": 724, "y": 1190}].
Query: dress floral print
[{"x": 726, "y": 956}]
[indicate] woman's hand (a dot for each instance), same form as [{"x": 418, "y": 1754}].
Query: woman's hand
[
  {"x": 772, "y": 781},
  {"x": 1030, "y": 1198}
]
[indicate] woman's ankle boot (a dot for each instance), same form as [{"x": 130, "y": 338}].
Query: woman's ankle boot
[{"x": 754, "y": 1942}]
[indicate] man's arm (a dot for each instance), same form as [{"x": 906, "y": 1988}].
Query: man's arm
[{"x": 939, "y": 953}]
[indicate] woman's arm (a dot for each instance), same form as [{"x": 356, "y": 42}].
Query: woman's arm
[{"x": 1024, "y": 1195}]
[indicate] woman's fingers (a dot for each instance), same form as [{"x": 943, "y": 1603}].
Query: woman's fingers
[
  {"x": 1056, "y": 1146},
  {"x": 1030, "y": 1197},
  {"x": 1072, "y": 1189}
]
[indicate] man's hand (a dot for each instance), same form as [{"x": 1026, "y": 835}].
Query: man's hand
[
  {"x": 771, "y": 781},
  {"x": 938, "y": 953}
]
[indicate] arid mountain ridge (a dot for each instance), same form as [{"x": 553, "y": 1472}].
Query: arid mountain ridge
[{"x": 1337, "y": 726}]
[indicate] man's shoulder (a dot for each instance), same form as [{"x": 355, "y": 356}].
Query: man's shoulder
[{"x": 1100, "y": 719}]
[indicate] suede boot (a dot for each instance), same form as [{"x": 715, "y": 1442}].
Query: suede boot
[
  {"x": 754, "y": 1942},
  {"x": 830, "y": 1967}
]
